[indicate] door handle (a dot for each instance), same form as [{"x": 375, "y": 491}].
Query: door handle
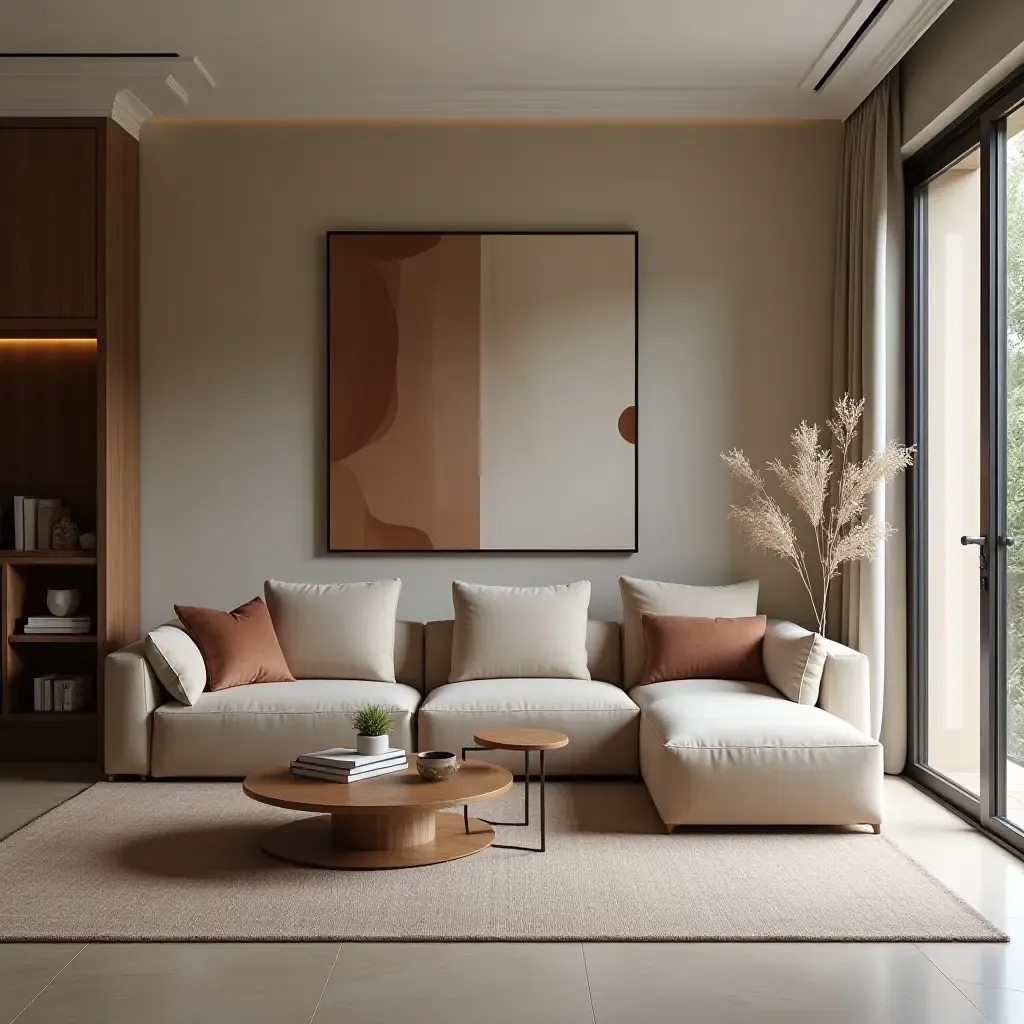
[{"x": 980, "y": 541}]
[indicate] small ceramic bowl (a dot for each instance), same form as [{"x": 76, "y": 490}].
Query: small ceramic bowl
[{"x": 436, "y": 765}]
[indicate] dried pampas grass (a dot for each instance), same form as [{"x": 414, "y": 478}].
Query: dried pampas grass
[{"x": 841, "y": 531}]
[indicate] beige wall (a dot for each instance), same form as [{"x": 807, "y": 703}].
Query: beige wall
[
  {"x": 735, "y": 289},
  {"x": 972, "y": 46}
]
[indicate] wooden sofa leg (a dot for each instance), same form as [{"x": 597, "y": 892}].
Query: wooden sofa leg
[
  {"x": 877, "y": 829},
  {"x": 668, "y": 828},
  {"x": 111, "y": 778}
]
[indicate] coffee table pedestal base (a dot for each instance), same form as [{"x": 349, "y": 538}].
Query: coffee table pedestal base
[{"x": 401, "y": 839}]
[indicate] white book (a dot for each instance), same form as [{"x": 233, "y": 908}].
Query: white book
[
  {"x": 58, "y": 695},
  {"x": 31, "y": 511},
  {"x": 56, "y": 630},
  {"x": 395, "y": 762},
  {"x": 47, "y": 693},
  {"x": 19, "y": 522},
  {"x": 46, "y": 515},
  {"x": 37, "y": 693},
  {"x": 315, "y": 773},
  {"x": 47, "y": 620},
  {"x": 347, "y": 757}
]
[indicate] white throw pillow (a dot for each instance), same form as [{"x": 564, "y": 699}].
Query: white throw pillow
[
  {"x": 794, "y": 660},
  {"x": 640, "y": 596},
  {"x": 177, "y": 662},
  {"x": 336, "y": 630},
  {"x": 520, "y": 632}
]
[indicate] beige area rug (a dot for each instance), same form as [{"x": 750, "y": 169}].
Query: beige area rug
[{"x": 181, "y": 860}]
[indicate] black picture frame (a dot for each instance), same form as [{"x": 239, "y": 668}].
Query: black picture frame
[{"x": 636, "y": 393}]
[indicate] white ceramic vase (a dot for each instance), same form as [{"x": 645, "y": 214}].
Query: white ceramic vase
[
  {"x": 63, "y": 602},
  {"x": 372, "y": 744}
]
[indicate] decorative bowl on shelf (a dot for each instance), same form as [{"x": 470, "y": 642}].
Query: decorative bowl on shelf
[
  {"x": 436, "y": 765},
  {"x": 63, "y": 602}
]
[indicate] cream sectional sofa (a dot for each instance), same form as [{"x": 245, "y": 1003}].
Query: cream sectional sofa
[
  {"x": 596, "y": 713},
  {"x": 711, "y": 752}
]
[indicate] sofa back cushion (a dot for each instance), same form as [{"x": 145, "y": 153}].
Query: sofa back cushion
[
  {"x": 336, "y": 630},
  {"x": 689, "y": 647},
  {"x": 520, "y": 632},
  {"x": 639, "y": 596},
  {"x": 604, "y": 652}
]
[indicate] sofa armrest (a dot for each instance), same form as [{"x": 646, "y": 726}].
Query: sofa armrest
[
  {"x": 131, "y": 693},
  {"x": 846, "y": 686}
]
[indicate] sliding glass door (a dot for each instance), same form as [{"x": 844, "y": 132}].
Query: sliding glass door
[{"x": 966, "y": 414}]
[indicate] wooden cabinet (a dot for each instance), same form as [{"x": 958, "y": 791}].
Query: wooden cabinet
[
  {"x": 49, "y": 221},
  {"x": 69, "y": 408}
]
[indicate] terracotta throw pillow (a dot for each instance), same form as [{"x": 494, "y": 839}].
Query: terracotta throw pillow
[
  {"x": 685, "y": 647},
  {"x": 239, "y": 647}
]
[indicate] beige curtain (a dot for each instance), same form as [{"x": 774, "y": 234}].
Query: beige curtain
[{"x": 868, "y": 362}]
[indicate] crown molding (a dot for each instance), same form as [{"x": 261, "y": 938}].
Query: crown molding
[
  {"x": 882, "y": 47},
  {"x": 130, "y": 112},
  {"x": 129, "y": 90}
]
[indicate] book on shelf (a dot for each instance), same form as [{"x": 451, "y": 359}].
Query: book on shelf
[
  {"x": 30, "y": 510},
  {"x": 348, "y": 758},
  {"x": 31, "y": 520},
  {"x": 46, "y": 515},
  {"x": 57, "y": 692},
  {"x": 57, "y": 625},
  {"x": 326, "y": 775}
]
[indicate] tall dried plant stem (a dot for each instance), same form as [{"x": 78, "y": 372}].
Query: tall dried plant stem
[{"x": 797, "y": 561}]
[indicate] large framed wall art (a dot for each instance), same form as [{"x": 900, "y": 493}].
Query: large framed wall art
[{"x": 482, "y": 391}]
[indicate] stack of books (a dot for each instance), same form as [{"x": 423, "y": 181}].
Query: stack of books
[
  {"x": 343, "y": 764},
  {"x": 26, "y": 523},
  {"x": 61, "y": 693},
  {"x": 41, "y": 625}
]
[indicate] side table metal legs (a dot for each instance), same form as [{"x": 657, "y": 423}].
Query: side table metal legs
[{"x": 526, "y": 817}]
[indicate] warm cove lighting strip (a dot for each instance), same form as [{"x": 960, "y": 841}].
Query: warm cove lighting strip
[{"x": 47, "y": 341}]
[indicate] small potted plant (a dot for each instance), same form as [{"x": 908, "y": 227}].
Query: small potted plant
[{"x": 373, "y": 723}]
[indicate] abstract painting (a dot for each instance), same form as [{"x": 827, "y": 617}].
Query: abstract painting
[{"x": 481, "y": 391}]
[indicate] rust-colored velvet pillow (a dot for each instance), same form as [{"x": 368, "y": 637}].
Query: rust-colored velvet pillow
[
  {"x": 238, "y": 647},
  {"x": 686, "y": 647}
]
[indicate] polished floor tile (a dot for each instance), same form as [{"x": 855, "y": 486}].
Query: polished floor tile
[
  {"x": 994, "y": 966},
  {"x": 36, "y": 794},
  {"x": 772, "y": 983},
  {"x": 26, "y": 968},
  {"x": 202, "y": 983},
  {"x": 1000, "y": 1005},
  {"x": 463, "y": 983}
]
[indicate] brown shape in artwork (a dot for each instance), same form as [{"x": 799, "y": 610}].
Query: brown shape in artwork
[
  {"x": 355, "y": 527},
  {"x": 364, "y": 336},
  {"x": 627, "y": 424}
]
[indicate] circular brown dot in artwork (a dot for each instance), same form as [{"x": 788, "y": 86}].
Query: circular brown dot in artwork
[{"x": 627, "y": 424}]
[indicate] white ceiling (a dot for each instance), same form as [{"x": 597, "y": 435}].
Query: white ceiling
[{"x": 450, "y": 58}]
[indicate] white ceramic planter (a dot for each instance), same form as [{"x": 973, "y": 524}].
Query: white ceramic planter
[
  {"x": 372, "y": 744},
  {"x": 63, "y": 602}
]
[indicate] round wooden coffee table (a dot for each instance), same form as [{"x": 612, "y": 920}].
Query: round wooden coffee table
[
  {"x": 526, "y": 740},
  {"x": 387, "y": 822}
]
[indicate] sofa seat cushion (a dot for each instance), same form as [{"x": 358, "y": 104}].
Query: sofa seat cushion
[
  {"x": 723, "y": 752},
  {"x": 599, "y": 719},
  {"x": 232, "y": 732}
]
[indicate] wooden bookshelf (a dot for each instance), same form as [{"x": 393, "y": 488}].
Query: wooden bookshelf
[
  {"x": 55, "y": 638},
  {"x": 68, "y": 408}
]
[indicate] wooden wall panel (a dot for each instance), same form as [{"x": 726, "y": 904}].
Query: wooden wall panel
[
  {"x": 119, "y": 395},
  {"x": 48, "y": 221}
]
